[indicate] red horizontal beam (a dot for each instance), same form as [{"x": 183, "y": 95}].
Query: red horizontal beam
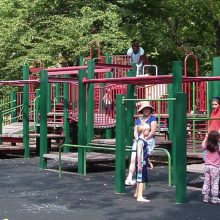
[
  {"x": 75, "y": 72},
  {"x": 19, "y": 82},
  {"x": 67, "y": 68},
  {"x": 201, "y": 78},
  {"x": 62, "y": 80},
  {"x": 133, "y": 80},
  {"x": 113, "y": 66}
]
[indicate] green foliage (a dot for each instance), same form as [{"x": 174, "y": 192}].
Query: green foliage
[{"x": 47, "y": 30}]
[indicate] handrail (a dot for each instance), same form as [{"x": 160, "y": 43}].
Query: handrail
[
  {"x": 155, "y": 66},
  {"x": 6, "y": 111},
  {"x": 5, "y": 103},
  {"x": 169, "y": 163},
  {"x": 128, "y": 148}
]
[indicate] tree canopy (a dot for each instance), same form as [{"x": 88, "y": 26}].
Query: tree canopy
[{"x": 47, "y": 30}]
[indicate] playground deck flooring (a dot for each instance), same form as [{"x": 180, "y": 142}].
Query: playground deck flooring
[
  {"x": 73, "y": 157},
  {"x": 30, "y": 193},
  {"x": 15, "y": 127}
]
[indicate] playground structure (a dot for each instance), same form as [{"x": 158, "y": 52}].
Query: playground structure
[{"x": 70, "y": 94}]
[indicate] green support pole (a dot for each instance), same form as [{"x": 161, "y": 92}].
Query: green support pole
[
  {"x": 179, "y": 144},
  {"x": 170, "y": 111},
  {"x": 37, "y": 94},
  {"x": 81, "y": 58},
  {"x": 26, "y": 113},
  {"x": 13, "y": 103},
  {"x": 49, "y": 106},
  {"x": 90, "y": 106},
  {"x": 120, "y": 164},
  {"x": 43, "y": 117},
  {"x": 82, "y": 124},
  {"x": 1, "y": 121},
  {"x": 130, "y": 110},
  {"x": 57, "y": 92},
  {"x": 108, "y": 131},
  {"x": 65, "y": 112},
  {"x": 216, "y": 72},
  {"x": 177, "y": 87}
]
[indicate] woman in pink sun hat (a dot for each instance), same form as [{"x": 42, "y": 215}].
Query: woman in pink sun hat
[{"x": 146, "y": 110}]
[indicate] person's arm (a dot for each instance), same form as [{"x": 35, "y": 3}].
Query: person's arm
[
  {"x": 204, "y": 143},
  {"x": 135, "y": 132},
  {"x": 153, "y": 128},
  {"x": 130, "y": 51},
  {"x": 139, "y": 153},
  {"x": 141, "y": 51}
]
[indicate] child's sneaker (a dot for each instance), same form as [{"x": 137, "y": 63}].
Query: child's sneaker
[
  {"x": 130, "y": 182},
  {"x": 215, "y": 200},
  {"x": 206, "y": 198}
]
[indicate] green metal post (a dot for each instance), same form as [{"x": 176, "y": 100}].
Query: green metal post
[
  {"x": 82, "y": 124},
  {"x": 120, "y": 145},
  {"x": 37, "y": 94},
  {"x": 1, "y": 121},
  {"x": 49, "y": 106},
  {"x": 90, "y": 107},
  {"x": 170, "y": 111},
  {"x": 179, "y": 144},
  {"x": 13, "y": 103},
  {"x": 26, "y": 112},
  {"x": 216, "y": 72},
  {"x": 81, "y": 58},
  {"x": 209, "y": 97},
  {"x": 43, "y": 117},
  {"x": 130, "y": 110},
  {"x": 57, "y": 92},
  {"x": 177, "y": 87},
  {"x": 65, "y": 114}
]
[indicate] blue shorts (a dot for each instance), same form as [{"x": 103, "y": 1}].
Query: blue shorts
[{"x": 142, "y": 177}]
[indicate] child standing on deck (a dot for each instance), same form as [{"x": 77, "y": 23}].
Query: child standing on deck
[
  {"x": 212, "y": 165},
  {"x": 142, "y": 161}
]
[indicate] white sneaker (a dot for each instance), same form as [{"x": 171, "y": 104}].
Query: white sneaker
[
  {"x": 215, "y": 200},
  {"x": 130, "y": 182}
]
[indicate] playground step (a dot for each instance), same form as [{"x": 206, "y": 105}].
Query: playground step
[
  {"x": 57, "y": 114},
  {"x": 51, "y": 125},
  {"x": 73, "y": 157}
]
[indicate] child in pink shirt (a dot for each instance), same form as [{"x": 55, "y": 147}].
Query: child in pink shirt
[{"x": 212, "y": 165}]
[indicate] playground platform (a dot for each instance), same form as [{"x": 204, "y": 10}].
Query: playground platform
[{"x": 27, "y": 192}]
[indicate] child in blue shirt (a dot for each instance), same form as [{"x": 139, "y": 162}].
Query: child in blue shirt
[{"x": 142, "y": 160}]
